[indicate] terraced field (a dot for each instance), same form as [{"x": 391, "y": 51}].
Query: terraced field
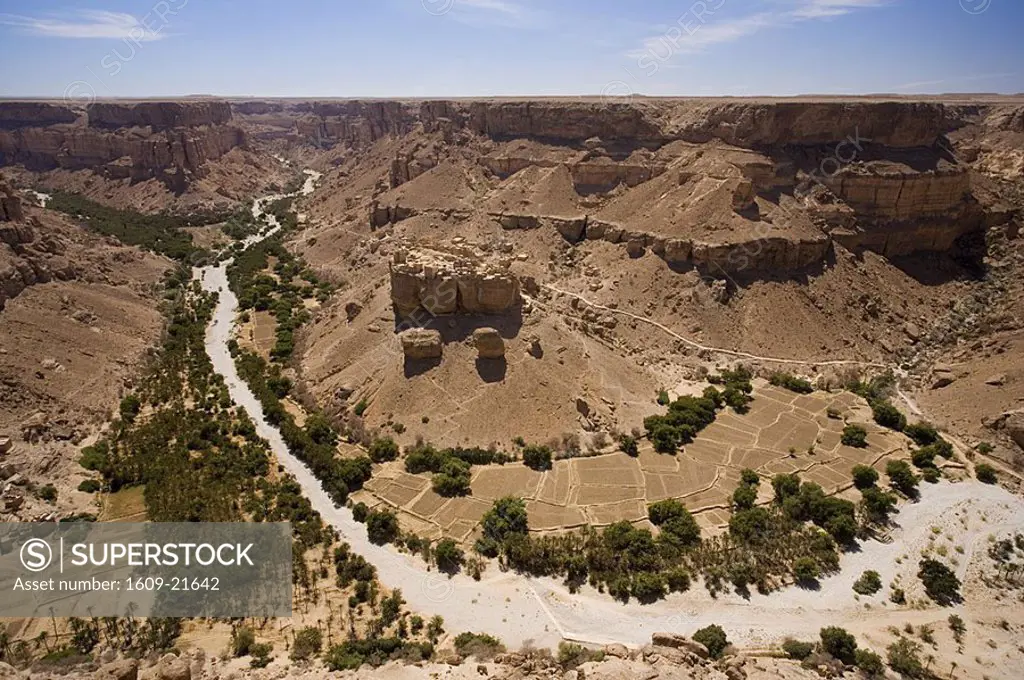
[{"x": 782, "y": 432}]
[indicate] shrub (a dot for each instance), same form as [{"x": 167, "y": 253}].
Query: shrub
[
  {"x": 795, "y": 649},
  {"x": 537, "y": 457},
  {"x": 940, "y": 583},
  {"x": 90, "y": 485},
  {"x": 663, "y": 398},
  {"x": 903, "y": 656},
  {"x": 713, "y": 638},
  {"x": 571, "y": 655},
  {"x": 869, "y": 583},
  {"x": 931, "y": 475},
  {"x": 750, "y": 477},
  {"x": 901, "y": 477},
  {"x": 791, "y": 383},
  {"x": 985, "y": 473},
  {"x": 130, "y": 407},
  {"x": 361, "y": 407},
  {"x": 381, "y": 527},
  {"x": 360, "y": 511},
  {"x": 839, "y": 643},
  {"x": 869, "y": 663},
  {"x": 47, "y": 492},
  {"x": 678, "y": 580},
  {"x": 805, "y": 570},
  {"x": 628, "y": 445},
  {"x": 864, "y": 476},
  {"x": 922, "y": 433},
  {"x": 749, "y": 525},
  {"x": 855, "y": 436},
  {"x": 479, "y": 645},
  {"x": 260, "y": 654},
  {"x": 242, "y": 640},
  {"x": 449, "y": 556},
  {"x": 887, "y": 415},
  {"x": 383, "y": 450},
  {"x": 308, "y": 643}
]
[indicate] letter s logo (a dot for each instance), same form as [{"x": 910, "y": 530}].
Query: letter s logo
[{"x": 36, "y": 555}]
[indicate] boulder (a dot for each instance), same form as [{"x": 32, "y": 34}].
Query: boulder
[
  {"x": 489, "y": 343},
  {"x": 997, "y": 380},
  {"x": 1012, "y": 423},
  {"x": 679, "y": 642},
  {"x": 125, "y": 669},
  {"x": 616, "y": 650},
  {"x": 535, "y": 350},
  {"x": 5, "y": 444},
  {"x": 421, "y": 343},
  {"x": 352, "y": 310},
  {"x": 171, "y": 667}
]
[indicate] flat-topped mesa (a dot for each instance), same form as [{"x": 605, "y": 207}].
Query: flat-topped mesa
[
  {"x": 35, "y": 114},
  {"x": 748, "y": 124},
  {"x": 158, "y": 115},
  {"x": 456, "y": 281}
]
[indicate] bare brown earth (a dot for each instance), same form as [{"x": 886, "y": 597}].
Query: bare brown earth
[{"x": 80, "y": 314}]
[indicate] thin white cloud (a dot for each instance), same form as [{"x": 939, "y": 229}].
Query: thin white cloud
[
  {"x": 690, "y": 38},
  {"x": 695, "y": 32},
  {"x": 820, "y": 9},
  {"x": 87, "y": 24}
]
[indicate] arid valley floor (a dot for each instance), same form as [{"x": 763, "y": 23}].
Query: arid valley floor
[{"x": 583, "y": 378}]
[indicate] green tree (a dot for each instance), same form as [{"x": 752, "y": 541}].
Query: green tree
[
  {"x": 864, "y": 476},
  {"x": 628, "y": 445},
  {"x": 506, "y": 517},
  {"x": 855, "y": 436},
  {"x": 887, "y": 415},
  {"x": 785, "y": 486},
  {"x": 383, "y": 449},
  {"x": 901, "y": 477},
  {"x": 449, "y": 556},
  {"x": 903, "y": 656},
  {"x": 839, "y": 643},
  {"x": 713, "y": 637},
  {"x": 806, "y": 570},
  {"x": 537, "y": 457},
  {"x": 308, "y": 644},
  {"x": 869, "y": 663},
  {"x": 744, "y": 497},
  {"x": 940, "y": 583},
  {"x": 985, "y": 473},
  {"x": 381, "y": 527}
]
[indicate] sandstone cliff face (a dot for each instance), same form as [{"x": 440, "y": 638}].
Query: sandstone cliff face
[
  {"x": 22, "y": 114},
  {"x": 183, "y": 137},
  {"x": 449, "y": 283},
  {"x": 10, "y": 206},
  {"x": 159, "y": 115}
]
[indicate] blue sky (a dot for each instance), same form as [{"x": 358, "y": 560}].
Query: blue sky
[{"x": 380, "y": 48}]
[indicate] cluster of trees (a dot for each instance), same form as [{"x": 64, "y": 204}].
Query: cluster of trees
[
  {"x": 451, "y": 467},
  {"x": 689, "y": 415},
  {"x": 160, "y": 233},
  {"x": 791, "y": 382},
  {"x": 282, "y": 294},
  {"x": 315, "y": 443},
  {"x": 760, "y": 550},
  {"x": 835, "y": 648},
  {"x": 808, "y": 502}
]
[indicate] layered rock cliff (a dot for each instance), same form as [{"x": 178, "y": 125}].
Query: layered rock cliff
[
  {"x": 450, "y": 282},
  {"x": 171, "y": 141}
]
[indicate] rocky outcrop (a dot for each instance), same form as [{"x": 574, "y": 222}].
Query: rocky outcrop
[
  {"x": 10, "y": 208},
  {"x": 158, "y": 115},
  {"x": 449, "y": 283},
  {"x": 419, "y": 344},
  {"x": 489, "y": 343}
]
